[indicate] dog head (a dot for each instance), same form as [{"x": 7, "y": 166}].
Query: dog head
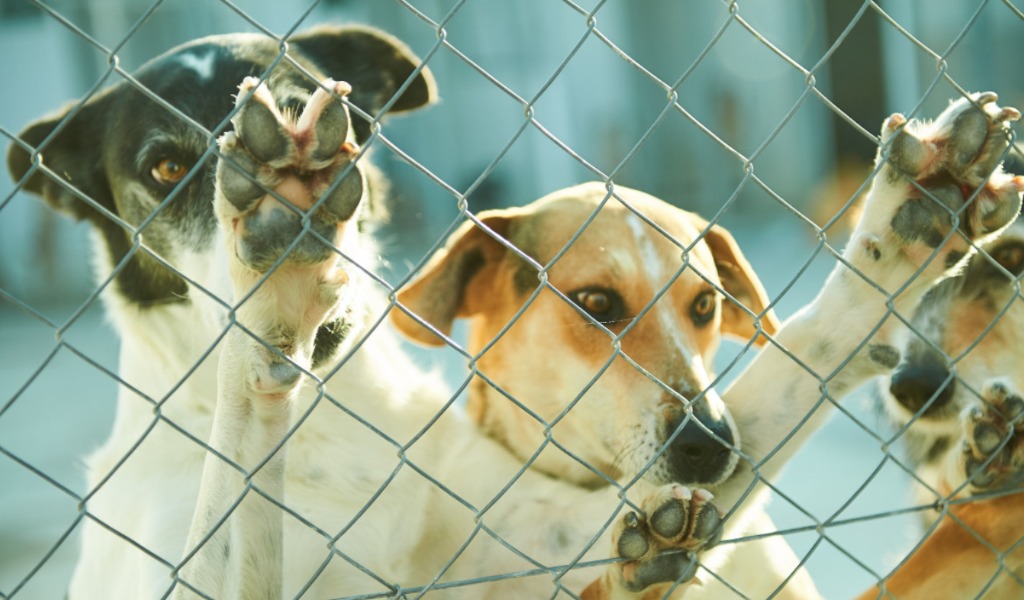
[
  {"x": 966, "y": 331},
  {"x": 598, "y": 324},
  {"x": 138, "y": 160}
]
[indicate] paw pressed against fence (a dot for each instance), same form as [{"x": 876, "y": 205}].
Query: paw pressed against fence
[{"x": 276, "y": 434}]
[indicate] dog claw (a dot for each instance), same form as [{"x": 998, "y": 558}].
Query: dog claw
[
  {"x": 1007, "y": 114},
  {"x": 987, "y": 98},
  {"x": 325, "y": 120},
  {"x": 892, "y": 124}
]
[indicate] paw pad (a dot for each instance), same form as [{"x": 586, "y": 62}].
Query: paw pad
[
  {"x": 994, "y": 439},
  {"x": 947, "y": 173},
  {"x": 660, "y": 547},
  {"x": 285, "y": 181}
]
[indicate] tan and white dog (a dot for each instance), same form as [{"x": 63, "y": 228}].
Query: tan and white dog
[
  {"x": 955, "y": 399},
  {"x": 595, "y": 317},
  {"x": 273, "y": 440},
  {"x": 610, "y": 286}
]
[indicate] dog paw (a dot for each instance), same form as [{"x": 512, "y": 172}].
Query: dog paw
[
  {"x": 661, "y": 547},
  {"x": 994, "y": 439},
  {"x": 285, "y": 181},
  {"x": 940, "y": 186}
]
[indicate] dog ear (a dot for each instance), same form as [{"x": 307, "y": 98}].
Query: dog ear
[
  {"x": 67, "y": 142},
  {"x": 738, "y": 278},
  {"x": 444, "y": 288},
  {"x": 374, "y": 63}
]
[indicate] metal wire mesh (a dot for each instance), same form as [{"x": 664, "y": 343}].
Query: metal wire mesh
[{"x": 609, "y": 94}]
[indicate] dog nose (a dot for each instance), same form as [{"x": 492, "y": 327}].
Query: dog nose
[
  {"x": 700, "y": 451},
  {"x": 915, "y": 385}
]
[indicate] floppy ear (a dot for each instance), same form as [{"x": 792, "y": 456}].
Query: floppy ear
[
  {"x": 455, "y": 281},
  {"x": 68, "y": 147},
  {"x": 374, "y": 63},
  {"x": 738, "y": 278}
]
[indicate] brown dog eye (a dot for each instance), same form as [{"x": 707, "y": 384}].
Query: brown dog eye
[
  {"x": 703, "y": 308},
  {"x": 604, "y": 305},
  {"x": 168, "y": 171}
]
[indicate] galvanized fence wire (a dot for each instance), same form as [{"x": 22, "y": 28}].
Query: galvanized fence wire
[{"x": 674, "y": 107}]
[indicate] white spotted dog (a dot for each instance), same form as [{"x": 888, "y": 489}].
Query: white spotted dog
[
  {"x": 222, "y": 279},
  {"x": 954, "y": 399}
]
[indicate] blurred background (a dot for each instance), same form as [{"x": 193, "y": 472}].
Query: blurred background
[{"x": 777, "y": 104}]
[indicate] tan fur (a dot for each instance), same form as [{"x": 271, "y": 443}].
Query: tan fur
[
  {"x": 954, "y": 563},
  {"x": 983, "y": 340},
  {"x": 514, "y": 274},
  {"x": 480, "y": 278}
]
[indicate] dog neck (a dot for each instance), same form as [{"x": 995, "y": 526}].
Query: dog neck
[{"x": 506, "y": 426}]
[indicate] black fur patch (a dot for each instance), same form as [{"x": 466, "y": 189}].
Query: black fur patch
[
  {"x": 953, "y": 258},
  {"x": 106, "y": 150},
  {"x": 937, "y": 449},
  {"x": 328, "y": 338}
]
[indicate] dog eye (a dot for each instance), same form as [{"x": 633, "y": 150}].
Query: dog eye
[
  {"x": 604, "y": 305},
  {"x": 1010, "y": 257},
  {"x": 703, "y": 308},
  {"x": 168, "y": 171}
]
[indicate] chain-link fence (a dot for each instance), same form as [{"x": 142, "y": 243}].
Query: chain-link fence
[{"x": 761, "y": 117}]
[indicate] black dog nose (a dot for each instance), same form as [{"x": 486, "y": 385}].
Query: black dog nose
[
  {"x": 915, "y": 385},
  {"x": 700, "y": 452}
]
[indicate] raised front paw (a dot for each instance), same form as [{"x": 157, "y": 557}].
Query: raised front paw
[
  {"x": 281, "y": 169},
  {"x": 941, "y": 187},
  {"x": 659, "y": 549},
  {"x": 994, "y": 439}
]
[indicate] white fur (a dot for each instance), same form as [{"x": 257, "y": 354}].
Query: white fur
[
  {"x": 201, "y": 65},
  {"x": 337, "y": 467}
]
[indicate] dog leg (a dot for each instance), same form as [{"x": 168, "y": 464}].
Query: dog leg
[
  {"x": 938, "y": 191},
  {"x": 285, "y": 194},
  {"x": 657, "y": 550},
  {"x": 979, "y": 543}
]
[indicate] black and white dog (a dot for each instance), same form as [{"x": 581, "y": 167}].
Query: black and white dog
[{"x": 138, "y": 161}]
